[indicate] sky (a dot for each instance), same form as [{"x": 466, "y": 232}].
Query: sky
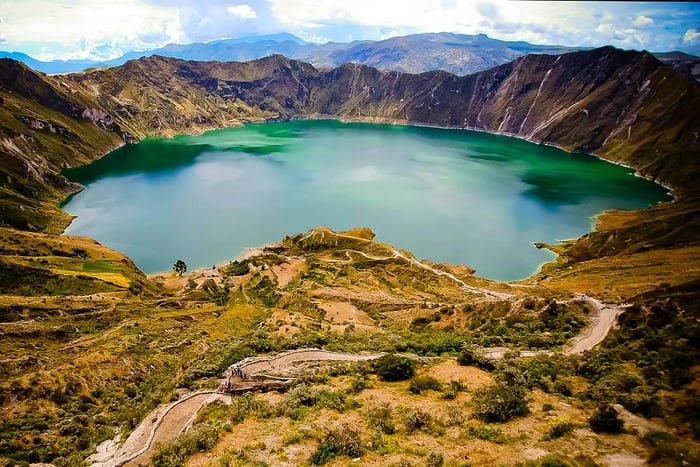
[{"x": 105, "y": 29}]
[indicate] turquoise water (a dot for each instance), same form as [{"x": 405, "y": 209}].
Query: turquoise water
[{"x": 446, "y": 195}]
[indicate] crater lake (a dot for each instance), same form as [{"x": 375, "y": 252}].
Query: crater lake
[{"x": 451, "y": 196}]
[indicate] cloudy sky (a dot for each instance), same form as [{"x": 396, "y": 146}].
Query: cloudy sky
[{"x": 102, "y": 29}]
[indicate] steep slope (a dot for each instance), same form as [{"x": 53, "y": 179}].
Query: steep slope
[
  {"x": 624, "y": 106},
  {"x": 95, "y": 351}
]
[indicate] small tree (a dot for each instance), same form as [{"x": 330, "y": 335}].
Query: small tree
[
  {"x": 394, "y": 368},
  {"x": 606, "y": 420},
  {"x": 500, "y": 403},
  {"x": 180, "y": 267}
]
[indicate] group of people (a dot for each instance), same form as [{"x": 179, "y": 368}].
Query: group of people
[{"x": 235, "y": 371}]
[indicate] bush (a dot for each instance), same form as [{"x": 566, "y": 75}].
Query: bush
[
  {"x": 500, "y": 403},
  {"x": 558, "y": 428},
  {"x": 606, "y": 420},
  {"x": 359, "y": 382},
  {"x": 394, "y": 368},
  {"x": 343, "y": 441},
  {"x": 417, "y": 420},
  {"x": 420, "y": 384},
  {"x": 381, "y": 418},
  {"x": 450, "y": 391},
  {"x": 666, "y": 446},
  {"x": 435, "y": 459},
  {"x": 201, "y": 438},
  {"x": 472, "y": 356},
  {"x": 493, "y": 435}
]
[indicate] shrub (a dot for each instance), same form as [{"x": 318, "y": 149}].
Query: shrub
[
  {"x": 666, "y": 446},
  {"x": 237, "y": 268},
  {"x": 500, "y": 403},
  {"x": 420, "y": 384},
  {"x": 472, "y": 356},
  {"x": 606, "y": 420},
  {"x": 381, "y": 418},
  {"x": 359, "y": 382},
  {"x": 454, "y": 415},
  {"x": 394, "y": 368},
  {"x": 343, "y": 441},
  {"x": 201, "y": 438},
  {"x": 493, "y": 435},
  {"x": 435, "y": 459},
  {"x": 558, "y": 428},
  {"x": 417, "y": 420},
  {"x": 450, "y": 391}
]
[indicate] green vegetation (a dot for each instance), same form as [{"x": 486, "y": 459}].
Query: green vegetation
[
  {"x": 420, "y": 384},
  {"x": 179, "y": 267},
  {"x": 606, "y": 420},
  {"x": 394, "y": 368},
  {"x": 558, "y": 428},
  {"x": 90, "y": 345},
  {"x": 500, "y": 403},
  {"x": 343, "y": 441},
  {"x": 486, "y": 433}
]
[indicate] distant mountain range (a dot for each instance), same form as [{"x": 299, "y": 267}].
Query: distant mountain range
[{"x": 457, "y": 53}]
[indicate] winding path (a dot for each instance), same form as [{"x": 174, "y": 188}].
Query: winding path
[
  {"x": 601, "y": 323},
  {"x": 167, "y": 422},
  {"x": 415, "y": 262}
]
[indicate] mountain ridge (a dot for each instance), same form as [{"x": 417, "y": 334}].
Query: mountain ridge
[
  {"x": 623, "y": 106},
  {"x": 415, "y": 53},
  {"x": 460, "y": 54}
]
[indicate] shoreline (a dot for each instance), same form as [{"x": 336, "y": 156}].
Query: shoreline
[
  {"x": 386, "y": 121},
  {"x": 245, "y": 254}
]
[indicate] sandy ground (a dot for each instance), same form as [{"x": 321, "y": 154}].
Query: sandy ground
[
  {"x": 285, "y": 272},
  {"x": 344, "y": 314}
]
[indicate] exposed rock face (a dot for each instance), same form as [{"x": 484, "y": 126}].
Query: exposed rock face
[{"x": 624, "y": 106}]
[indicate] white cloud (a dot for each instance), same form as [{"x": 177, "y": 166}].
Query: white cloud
[
  {"x": 102, "y": 29},
  {"x": 96, "y": 29},
  {"x": 691, "y": 35},
  {"x": 310, "y": 37},
  {"x": 424, "y": 14},
  {"x": 243, "y": 10},
  {"x": 642, "y": 20}
]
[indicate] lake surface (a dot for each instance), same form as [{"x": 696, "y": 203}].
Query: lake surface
[{"x": 446, "y": 195}]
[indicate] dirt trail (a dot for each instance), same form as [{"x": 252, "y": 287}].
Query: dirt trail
[
  {"x": 163, "y": 424},
  {"x": 601, "y": 323},
  {"x": 283, "y": 362},
  {"x": 167, "y": 422},
  {"x": 439, "y": 272}
]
